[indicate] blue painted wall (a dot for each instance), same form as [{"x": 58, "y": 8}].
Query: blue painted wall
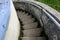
[{"x": 4, "y": 17}]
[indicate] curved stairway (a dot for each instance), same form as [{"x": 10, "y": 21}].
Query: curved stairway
[{"x": 30, "y": 28}]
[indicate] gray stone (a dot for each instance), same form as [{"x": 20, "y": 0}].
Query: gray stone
[
  {"x": 25, "y": 19},
  {"x": 22, "y": 15},
  {"x": 31, "y": 25},
  {"x": 32, "y": 32},
  {"x": 28, "y": 22},
  {"x": 25, "y": 16},
  {"x": 33, "y": 38}
]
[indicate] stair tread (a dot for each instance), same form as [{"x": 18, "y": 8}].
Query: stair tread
[
  {"x": 28, "y": 21},
  {"x": 19, "y": 13},
  {"x": 32, "y": 32},
  {"x": 33, "y": 38},
  {"x": 23, "y": 16},
  {"x": 31, "y": 25},
  {"x": 25, "y": 19}
]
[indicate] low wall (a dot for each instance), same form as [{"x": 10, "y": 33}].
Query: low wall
[
  {"x": 13, "y": 29},
  {"x": 49, "y": 9}
]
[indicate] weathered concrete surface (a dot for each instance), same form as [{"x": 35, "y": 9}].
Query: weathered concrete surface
[
  {"x": 49, "y": 9},
  {"x": 12, "y": 32},
  {"x": 32, "y": 32},
  {"x": 25, "y": 19},
  {"x": 33, "y": 38},
  {"x": 28, "y": 22},
  {"x": 30, "y": 26},
  {"x": 50, "y": 28},
  {"x": 25, "y": 16}
]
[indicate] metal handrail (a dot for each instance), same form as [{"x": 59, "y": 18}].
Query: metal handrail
[
  {"x": 52, "y": 18},
  {"x": 48, "y": 14},
  {"x": 44, "y": 10}
]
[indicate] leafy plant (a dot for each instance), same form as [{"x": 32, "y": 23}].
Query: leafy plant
[{"x": 53, "y": 3}]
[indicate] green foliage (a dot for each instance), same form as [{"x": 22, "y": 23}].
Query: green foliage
[{"x": 53, "y": 3}]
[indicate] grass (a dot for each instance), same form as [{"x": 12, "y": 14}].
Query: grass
[{"x": 53, "y": 3}]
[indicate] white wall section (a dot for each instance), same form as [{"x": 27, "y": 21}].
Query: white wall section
[{"x": 12, "y": 32}]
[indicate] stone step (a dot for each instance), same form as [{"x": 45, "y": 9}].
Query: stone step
[
  {"x": 33, "y": 38},
  {"x": 25, "y": 19},
  {"x": 25, "y": 16},
  {"x": 28, "y": 21},
  {"x": 19, "y": 13},
  {"x": 32, "y": 32},
  {"x": 31, "y": 25}
]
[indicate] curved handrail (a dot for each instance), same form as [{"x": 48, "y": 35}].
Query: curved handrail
[
  {"x": 53, "y": 33},
  {"x": 47, "y": 13},
  {"x": 44, "y": 10}
]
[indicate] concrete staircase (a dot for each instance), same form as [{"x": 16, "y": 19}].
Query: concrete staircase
[{"x": 29, "y": 29}]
